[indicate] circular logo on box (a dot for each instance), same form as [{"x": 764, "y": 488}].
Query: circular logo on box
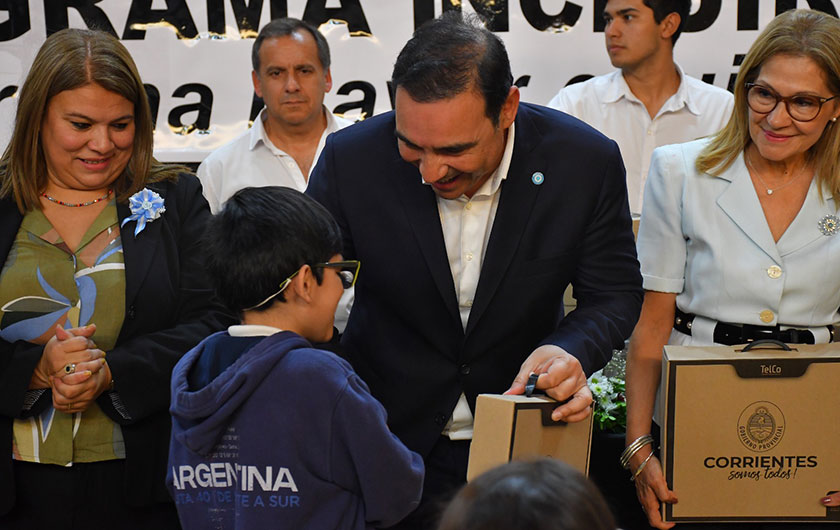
[{"x": 761, "y": 426}]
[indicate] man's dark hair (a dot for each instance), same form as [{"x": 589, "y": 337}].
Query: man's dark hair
[
  {"x": 263, "y": 235},
  {"x": 543, "y": 494},
  {"x": 450, "y": 55},
  {"x": 284, "y": 27},
  {"x": 662, "y": 8}
]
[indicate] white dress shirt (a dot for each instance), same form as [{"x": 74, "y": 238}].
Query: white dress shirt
[
  {"x": 606, "y": 103},
  {"x": 467, "y": 223},
  {"x": 251, "y": 159}
]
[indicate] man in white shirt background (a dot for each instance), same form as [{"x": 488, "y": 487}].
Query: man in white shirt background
[
  {"x": 648, "y": 101},
  {"x": 291, "y": 62}
]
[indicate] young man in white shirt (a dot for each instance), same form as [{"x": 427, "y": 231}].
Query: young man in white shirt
[
  {"x": 648, "y": 101},
  {"x": 291, "y": 61}
]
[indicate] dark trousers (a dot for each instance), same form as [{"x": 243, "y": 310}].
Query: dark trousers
[
  {"x": 83, "y": 496},
  {"x": 446, "y": 472}
]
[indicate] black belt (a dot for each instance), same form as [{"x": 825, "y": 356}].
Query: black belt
[{"x": 729, "y": 334}]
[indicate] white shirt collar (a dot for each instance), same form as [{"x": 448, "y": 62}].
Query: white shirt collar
[
  {"x": 495, "y": 181},
  {"x": 258, "y": 133},
  {"x": 617, "y": 88},
  {"x": 252, "y": 330},
  {"x": 683, "y": 96}
]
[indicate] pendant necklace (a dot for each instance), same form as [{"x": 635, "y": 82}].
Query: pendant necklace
[
  {"x": 770, "y": 190},
  {"x": 79, "y": 204}
]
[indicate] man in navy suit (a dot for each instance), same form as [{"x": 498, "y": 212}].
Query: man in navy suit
[{"x": 471, "y": 212}]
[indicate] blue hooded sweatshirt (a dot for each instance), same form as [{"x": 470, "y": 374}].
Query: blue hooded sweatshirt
[{"x": 268, "y": 432}]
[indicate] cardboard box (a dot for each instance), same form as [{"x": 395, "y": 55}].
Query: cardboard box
[
  {"x": 518, "y": 428},
  {"x": 751, "y": 436}
]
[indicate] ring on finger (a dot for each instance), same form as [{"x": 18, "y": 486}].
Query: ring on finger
[{"x": 70, "y": 368}]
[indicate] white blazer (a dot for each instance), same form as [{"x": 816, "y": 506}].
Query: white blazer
[{"x": 706, "y": 238}]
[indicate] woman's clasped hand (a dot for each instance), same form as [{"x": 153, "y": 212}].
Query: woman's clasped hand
[{"x": 74, "y": 368}]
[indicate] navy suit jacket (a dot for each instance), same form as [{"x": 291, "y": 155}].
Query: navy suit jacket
[{"x": 404, "y": 335}]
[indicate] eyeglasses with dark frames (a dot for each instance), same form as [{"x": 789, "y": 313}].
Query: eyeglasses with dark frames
[
  {"x": 800, "y": 107},
  {"x": 348, "y": 271}
]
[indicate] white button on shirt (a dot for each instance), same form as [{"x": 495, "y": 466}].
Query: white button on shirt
[
  {"x": 606, "y": 103},
  {"x": 467, "y": 223}
]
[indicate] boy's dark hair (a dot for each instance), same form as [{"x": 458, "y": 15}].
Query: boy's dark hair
[
  {"x": 543, "y": 494},
  {"x": 452, "y": 54},
  {"x": 663, "y": 8},
  {"x": 263, "y": 235},
  {"x": 284, "y": 27}
]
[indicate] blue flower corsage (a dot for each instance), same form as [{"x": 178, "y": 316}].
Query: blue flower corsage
[{"x": 146, "y": 206}]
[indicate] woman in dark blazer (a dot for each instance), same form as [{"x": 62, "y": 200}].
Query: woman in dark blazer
[{"x": 101, "y": 292}]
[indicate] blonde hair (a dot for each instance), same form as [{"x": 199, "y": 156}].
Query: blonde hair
[
  {"x": 69, "y": 59},
  {"x": 799, "y": 32}
]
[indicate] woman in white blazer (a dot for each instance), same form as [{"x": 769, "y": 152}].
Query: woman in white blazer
[{"x": 739, "y": 232}]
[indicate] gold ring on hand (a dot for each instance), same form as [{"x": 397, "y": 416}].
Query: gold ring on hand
[{"x": 70, "y": 368}]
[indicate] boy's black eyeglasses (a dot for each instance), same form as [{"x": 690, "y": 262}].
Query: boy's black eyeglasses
[
  {"x": 800, "y": 107},
  {"x": 348, "y": 271}
]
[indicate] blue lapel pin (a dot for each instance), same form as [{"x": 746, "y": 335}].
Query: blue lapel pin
[{"x": 537, "y": 178}]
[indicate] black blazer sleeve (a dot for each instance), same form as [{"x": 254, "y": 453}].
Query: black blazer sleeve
[{"x": 606, "y": 280}]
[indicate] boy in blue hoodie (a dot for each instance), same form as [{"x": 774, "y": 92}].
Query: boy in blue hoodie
[{"x": 267, "y": 431}]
